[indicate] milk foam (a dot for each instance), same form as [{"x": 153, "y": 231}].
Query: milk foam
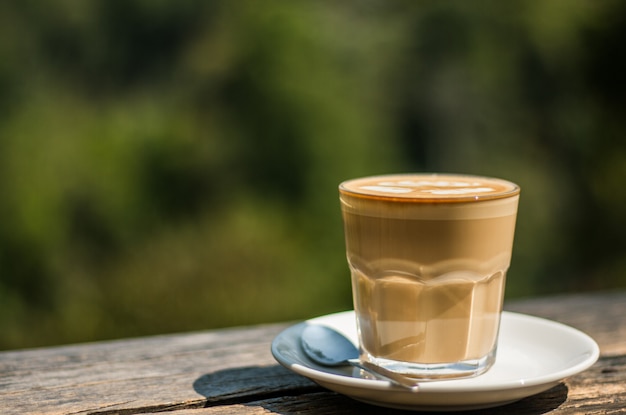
[
  {"x": 431, "y": 186},
  {"x": 430, "y": 196}
]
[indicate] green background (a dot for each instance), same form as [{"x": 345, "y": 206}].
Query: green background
[{"x": 173, "y": 165}]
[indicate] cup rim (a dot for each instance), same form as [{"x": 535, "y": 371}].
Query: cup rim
[{"x": 511, "y": 189}]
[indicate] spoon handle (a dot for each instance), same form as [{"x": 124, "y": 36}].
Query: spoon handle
[{"x": 395, "y": 378}]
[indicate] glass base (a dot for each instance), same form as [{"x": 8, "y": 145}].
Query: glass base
[{"x": 436, "y": 371}]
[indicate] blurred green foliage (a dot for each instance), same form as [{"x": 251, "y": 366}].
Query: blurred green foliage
[{"x": 173, "y": 165}]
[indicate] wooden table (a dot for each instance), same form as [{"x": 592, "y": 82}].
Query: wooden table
[{"x": 232, "y": 371}]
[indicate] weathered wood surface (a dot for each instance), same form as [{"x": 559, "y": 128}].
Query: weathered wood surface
[{"x": 232, "y": 372}]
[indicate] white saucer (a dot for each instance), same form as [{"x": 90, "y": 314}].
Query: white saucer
[{"x": 534, "y": 355}]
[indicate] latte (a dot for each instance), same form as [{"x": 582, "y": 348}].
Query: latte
[{"x": 428, "y": 256}]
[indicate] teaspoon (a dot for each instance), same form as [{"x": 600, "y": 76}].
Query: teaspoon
[{"x": 328, "y": 347}]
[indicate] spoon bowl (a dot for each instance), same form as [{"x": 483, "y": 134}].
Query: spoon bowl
[{"x": 328, "y": 347}]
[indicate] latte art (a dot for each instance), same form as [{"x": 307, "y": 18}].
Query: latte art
[{"x": 439, "y": 186}]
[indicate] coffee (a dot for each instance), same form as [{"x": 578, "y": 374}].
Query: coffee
[{"x": 428, "y": 256}]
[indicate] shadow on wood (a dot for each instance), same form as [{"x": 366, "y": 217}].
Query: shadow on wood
[
  {"x": 279, "y": 391},
  {"x": 251, "y": 383}
]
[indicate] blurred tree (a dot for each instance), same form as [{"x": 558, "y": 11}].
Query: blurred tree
[{"x": 170, "y": 166}]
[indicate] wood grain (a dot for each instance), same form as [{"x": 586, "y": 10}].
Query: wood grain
[
  {"x": 158, "y": 372},
  {"x": 232, "y": 372}
]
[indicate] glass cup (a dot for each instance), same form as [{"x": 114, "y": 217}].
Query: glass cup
[{"x": 428, "y": 255}]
